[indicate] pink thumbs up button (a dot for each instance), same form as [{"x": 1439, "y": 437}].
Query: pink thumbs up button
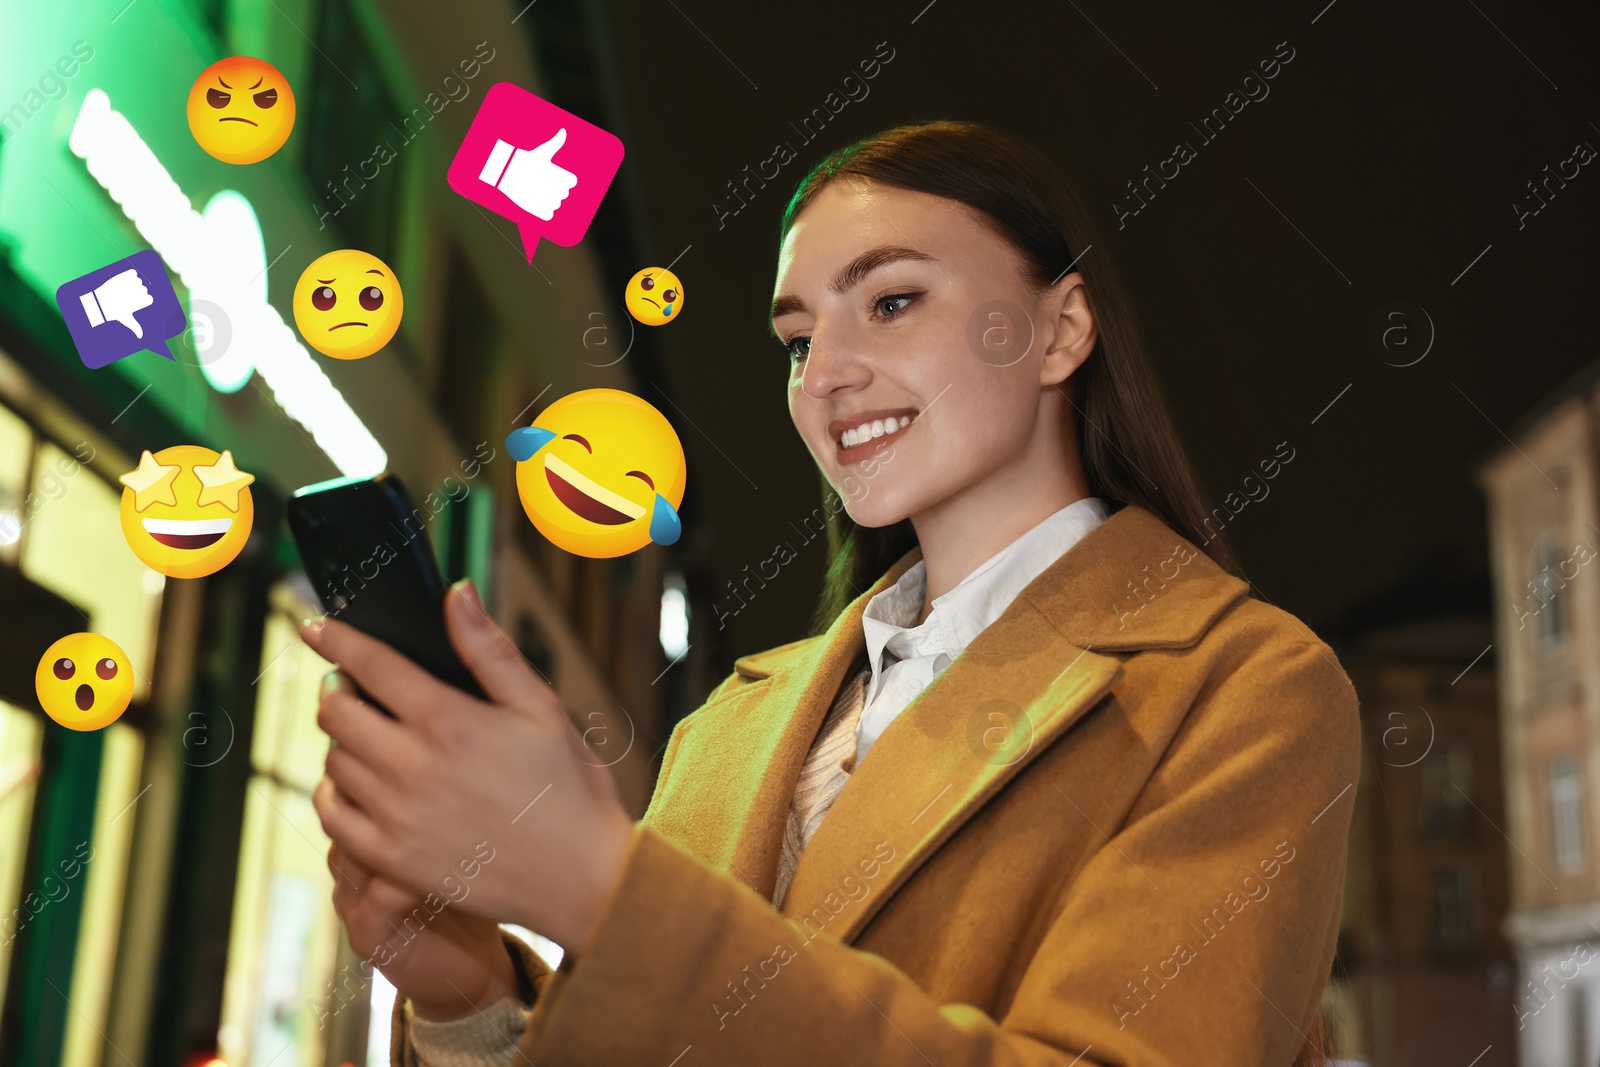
[{"x": 543, "y": 168}]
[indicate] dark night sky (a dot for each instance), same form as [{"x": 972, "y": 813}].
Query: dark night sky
[{"x": 1392, "y": 148}]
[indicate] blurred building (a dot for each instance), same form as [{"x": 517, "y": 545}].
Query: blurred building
[
  {"x": 1424, "y": 972},
  {"x": 164, "y": 895},
  {"x": 1544, "y": 526}
]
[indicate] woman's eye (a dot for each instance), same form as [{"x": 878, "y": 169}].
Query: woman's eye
[
  {"x": 883, "y": 305},
  {"x": 798, "y": 347}
]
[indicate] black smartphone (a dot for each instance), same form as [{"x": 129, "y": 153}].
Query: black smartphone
[{"x": 366, "y": 551}]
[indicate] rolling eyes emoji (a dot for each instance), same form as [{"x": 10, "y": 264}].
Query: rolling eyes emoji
[
  {"x": 347, "y": 304},
  {"x": 241, "y": 110}
]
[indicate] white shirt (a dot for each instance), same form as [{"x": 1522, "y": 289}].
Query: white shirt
[{"x": 905, "y": 657}]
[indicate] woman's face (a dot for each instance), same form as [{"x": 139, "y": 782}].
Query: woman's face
[{"x": 899, "y": 305}]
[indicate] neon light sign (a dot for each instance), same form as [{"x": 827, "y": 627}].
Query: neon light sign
[{"x": 198, "y": 250}]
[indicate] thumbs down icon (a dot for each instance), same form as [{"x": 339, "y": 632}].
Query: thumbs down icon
[
  {"x": 117, "y": 299},
  {"x": 122, "y": 308}
]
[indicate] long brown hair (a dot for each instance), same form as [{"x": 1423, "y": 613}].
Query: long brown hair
[{"x": 1130, "y": 448}]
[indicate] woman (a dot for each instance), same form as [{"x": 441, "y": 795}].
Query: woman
[{"x": 1097, "y": 795}]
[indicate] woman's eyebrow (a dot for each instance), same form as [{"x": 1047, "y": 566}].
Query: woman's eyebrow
[{"x": 853, "y": 272}]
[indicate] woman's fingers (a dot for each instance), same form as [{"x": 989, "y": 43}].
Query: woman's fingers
[
  {"x": 359, "y": 728},
  {"x": 365, "y": 901},
  {"x": 354, "y": 831},
  {"x": 347, "y": 872},
  {"x": 490, "y": 655},
  {"x": 392, "y": 680},
  {"x": 357, "y": 783}
]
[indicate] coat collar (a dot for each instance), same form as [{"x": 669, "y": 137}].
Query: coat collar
[
  {"x": 1132, "y": 583},
  {"x": 1095, "y": 595}
]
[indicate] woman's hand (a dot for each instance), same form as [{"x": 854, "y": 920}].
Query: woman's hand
[
  {"x": 495, "y": 804},
  {"x": 456, "y": 964}
]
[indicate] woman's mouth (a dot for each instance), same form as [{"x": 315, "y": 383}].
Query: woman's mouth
[{"x": 865, "y": 439}]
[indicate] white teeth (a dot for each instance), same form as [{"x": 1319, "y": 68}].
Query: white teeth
[
  {"x": 187, "y": 526},
  {"x": 869, "y": 430}
]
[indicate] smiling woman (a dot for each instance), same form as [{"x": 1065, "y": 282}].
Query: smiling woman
[{"x": 1064, "y": 788}]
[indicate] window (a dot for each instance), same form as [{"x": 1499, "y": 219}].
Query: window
[
  {"x": 21, "y": 738},
  {"x": 16, "y": 453},
  {"x": 1566, "y": 825},
  {"x": 282, "y": 950},
  {"x": 1446, "y": 789},
  {"x": 353, "y": 137},
  {"x": 466, "y": 354},
  {"x": 60, "y": 574},
  {"x": 674, "y": 616},
  {"x": 1544, "y": 594},
  {"x": 1455, "y": 921}
]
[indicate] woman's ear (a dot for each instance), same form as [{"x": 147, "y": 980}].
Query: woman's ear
[{"x": 1074, "y": 330}]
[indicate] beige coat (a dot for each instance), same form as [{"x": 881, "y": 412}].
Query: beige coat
[{"x": 1112, "y": 831}]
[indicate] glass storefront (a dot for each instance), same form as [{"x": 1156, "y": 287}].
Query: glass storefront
[
  {"x": 285, "y": 930},
  {"x": 64, "y": 832},
  {"x": 164, "y": 891}
]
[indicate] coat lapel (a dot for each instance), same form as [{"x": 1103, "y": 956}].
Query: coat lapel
[
  {"x": 985, "y": 718},
  {"x": 1019, "y": 686},
  {"x": 747, "y": 748}
]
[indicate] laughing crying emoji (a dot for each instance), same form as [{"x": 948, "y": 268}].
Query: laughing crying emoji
[{"x": 601, "y": 473}]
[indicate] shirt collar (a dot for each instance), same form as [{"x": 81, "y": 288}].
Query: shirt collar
[{"x": 959, "y": 615}]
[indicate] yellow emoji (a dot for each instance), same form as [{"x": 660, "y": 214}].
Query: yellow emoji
[
  {"x": 186, "y": 511},
  {"x": 84, "y": 682},
  {"x": 654, "y": 296},
  {"x": 601, "y": 473},
  {"x": 347, "y": 304},
  {"x": 241, "y": 109}
]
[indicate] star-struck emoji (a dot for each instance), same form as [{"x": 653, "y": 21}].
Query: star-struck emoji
[
  {"x": 151, "y": 483},
  {"x": 220, "y": 482},
  {"x": 202, "y": 520}
]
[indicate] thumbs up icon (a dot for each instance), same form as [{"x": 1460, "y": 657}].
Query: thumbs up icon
[
  {"x": 529, "y": 176},
  {"x": 116, "y": 299},
  {"x": 543, "y": 197}
]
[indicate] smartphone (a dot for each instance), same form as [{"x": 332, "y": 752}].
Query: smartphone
[{"x": 364, "y": 547}]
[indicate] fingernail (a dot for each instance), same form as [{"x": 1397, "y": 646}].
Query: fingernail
[
  {"x": 467, "y": 589},
  {"x": 331, "y": 683},
  {"x": 311, "y": 630}
]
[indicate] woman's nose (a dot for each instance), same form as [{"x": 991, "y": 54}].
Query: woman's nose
[{"x": 832, "y": 363}]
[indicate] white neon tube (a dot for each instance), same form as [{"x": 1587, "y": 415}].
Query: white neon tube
[{"x": 123, "y": 164}]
